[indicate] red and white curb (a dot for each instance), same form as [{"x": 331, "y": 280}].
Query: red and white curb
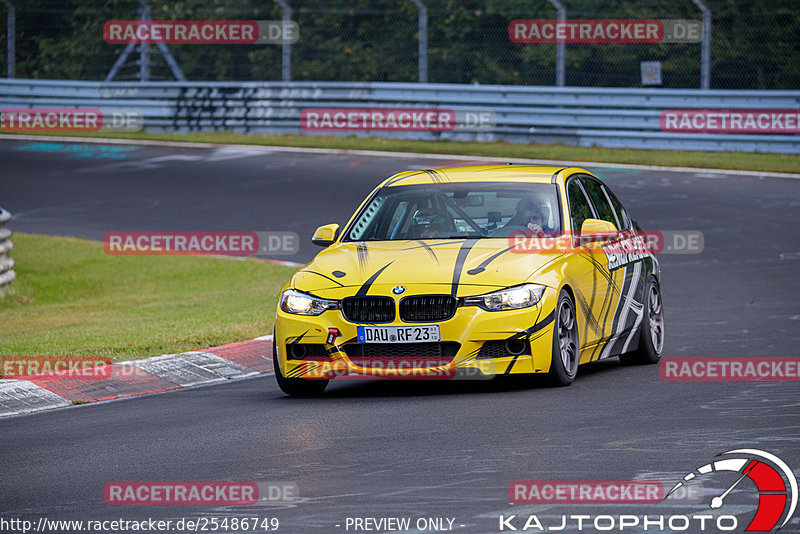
[{"x": 139, "y": 377}]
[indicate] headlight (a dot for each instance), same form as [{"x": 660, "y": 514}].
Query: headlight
[
  {"x": 304, "y": 304},
  {"x": 512, "y": 298}
]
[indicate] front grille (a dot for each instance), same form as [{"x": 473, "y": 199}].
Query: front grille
[
  {"x": 446, "y": 350},
  {"x": 368, "y": 309},
  {"x": 425, "y": 308}
]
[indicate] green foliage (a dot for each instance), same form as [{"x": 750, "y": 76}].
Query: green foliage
[{"x": 755, "y": 45}]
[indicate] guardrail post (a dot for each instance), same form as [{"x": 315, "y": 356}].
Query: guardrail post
[
  {"x": 561, "y": 15},
  {"x": 422, "y": 46},
  {"x": 705, "y": 52},
  {"x": 7, "y": 274},
  {"x": 286, "y": 50},
  {"x": 12, "y": 39}
]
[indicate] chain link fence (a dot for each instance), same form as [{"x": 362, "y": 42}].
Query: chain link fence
[{"x": 752, "y": 45}]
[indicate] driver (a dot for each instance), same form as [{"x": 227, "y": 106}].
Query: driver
[
  {"x": 532, "y": 214},
  {"x": 429, "y": 223}
]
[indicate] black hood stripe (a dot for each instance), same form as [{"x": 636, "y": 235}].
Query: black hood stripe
[
  {"x": 363, "y": 255},
  {"x": 323, "y": 276},
  {"x": 365, "y": 288},
  {"x": 428, "y": 248},
  {"x": 463, "y": 252},
  {"x": 431, "y": 245},
  {"x": 482, "y": 267}
]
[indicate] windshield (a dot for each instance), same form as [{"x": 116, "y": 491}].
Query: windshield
[{"x": 447, "y": 211}]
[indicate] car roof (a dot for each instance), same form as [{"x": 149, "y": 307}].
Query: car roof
[{"x": 478, "y": 173}]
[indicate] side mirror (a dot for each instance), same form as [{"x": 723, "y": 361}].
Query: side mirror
[
  {"x": 597, "y": 229},
  {"x": 325, "y": 235}
]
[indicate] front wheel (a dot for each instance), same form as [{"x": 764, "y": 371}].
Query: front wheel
[
  {"x": 565, "y": 357},
  {"x": 295, "y": 386},
  {"x": 651, "y": 331}
]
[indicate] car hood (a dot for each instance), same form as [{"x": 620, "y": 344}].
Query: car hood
[{"x": 453, "y": 266}]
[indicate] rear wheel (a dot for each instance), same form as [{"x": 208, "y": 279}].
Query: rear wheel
[
  {"x": 295, "y": 386},
  {"x": 564, "y": 364},
  {"x": 651, "y": 331}
]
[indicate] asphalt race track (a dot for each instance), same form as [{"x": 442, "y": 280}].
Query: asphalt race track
[{"x": 395, "y": 449}]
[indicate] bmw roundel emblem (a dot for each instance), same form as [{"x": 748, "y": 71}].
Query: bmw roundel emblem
[{"x": 398, "y": 290}]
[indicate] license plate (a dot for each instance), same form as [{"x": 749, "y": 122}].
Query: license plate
[{"x": 398, "y": 334}]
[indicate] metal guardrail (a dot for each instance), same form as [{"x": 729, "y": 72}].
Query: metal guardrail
[
  {"x": 603, "y": 117},
  {"x": 7, "y": 274}
]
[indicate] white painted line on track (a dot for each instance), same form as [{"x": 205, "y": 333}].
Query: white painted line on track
[{"x": 388, "y": 154}]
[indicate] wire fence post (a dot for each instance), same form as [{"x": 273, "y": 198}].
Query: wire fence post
[
  {"x": 12, "y": 39},
  {"x": 705, "y": 53},
  {"x": 286, "y": 51},
  {"x": 144, "y": 55},
  {"x": 422, "y": 47},
  {"x": 144, "y": 48},
  {"x": 561, "y": 15}
]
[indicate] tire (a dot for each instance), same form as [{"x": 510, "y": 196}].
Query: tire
[
  {"x": 295, "y": 386},
  {"x": 566, "y": 352},
  {"x": 651, "y": 331}
]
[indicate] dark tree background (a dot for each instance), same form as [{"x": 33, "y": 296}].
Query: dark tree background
[{"x": 755, "y": 45}]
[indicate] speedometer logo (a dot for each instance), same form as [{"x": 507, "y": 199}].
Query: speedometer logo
[{"x": 770, "y": 475}]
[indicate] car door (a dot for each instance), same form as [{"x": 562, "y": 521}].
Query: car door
[
  {"x": 625, "y": 279},
  {"x": 589, "y": 270}
]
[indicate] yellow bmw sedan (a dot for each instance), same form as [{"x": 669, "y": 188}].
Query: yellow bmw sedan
[{"x": 472, "y": 272}]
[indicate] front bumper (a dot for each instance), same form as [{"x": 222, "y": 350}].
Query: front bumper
[{"x": 472, "y": 345}]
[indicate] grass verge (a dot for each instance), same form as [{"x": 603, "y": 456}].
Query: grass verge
[
  {"x": 670, "y": 158},
  {"x": 72, "y": 299}
]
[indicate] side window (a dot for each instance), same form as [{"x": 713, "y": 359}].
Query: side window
[
  {"x": 399, "y": 217},
  {"x": 601, "y": 204},
  {"x": 624, "y": 220},
  {"x": 579, "y": 208}
]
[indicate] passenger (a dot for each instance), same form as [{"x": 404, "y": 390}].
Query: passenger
[{"x": 531, "y": 214}]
